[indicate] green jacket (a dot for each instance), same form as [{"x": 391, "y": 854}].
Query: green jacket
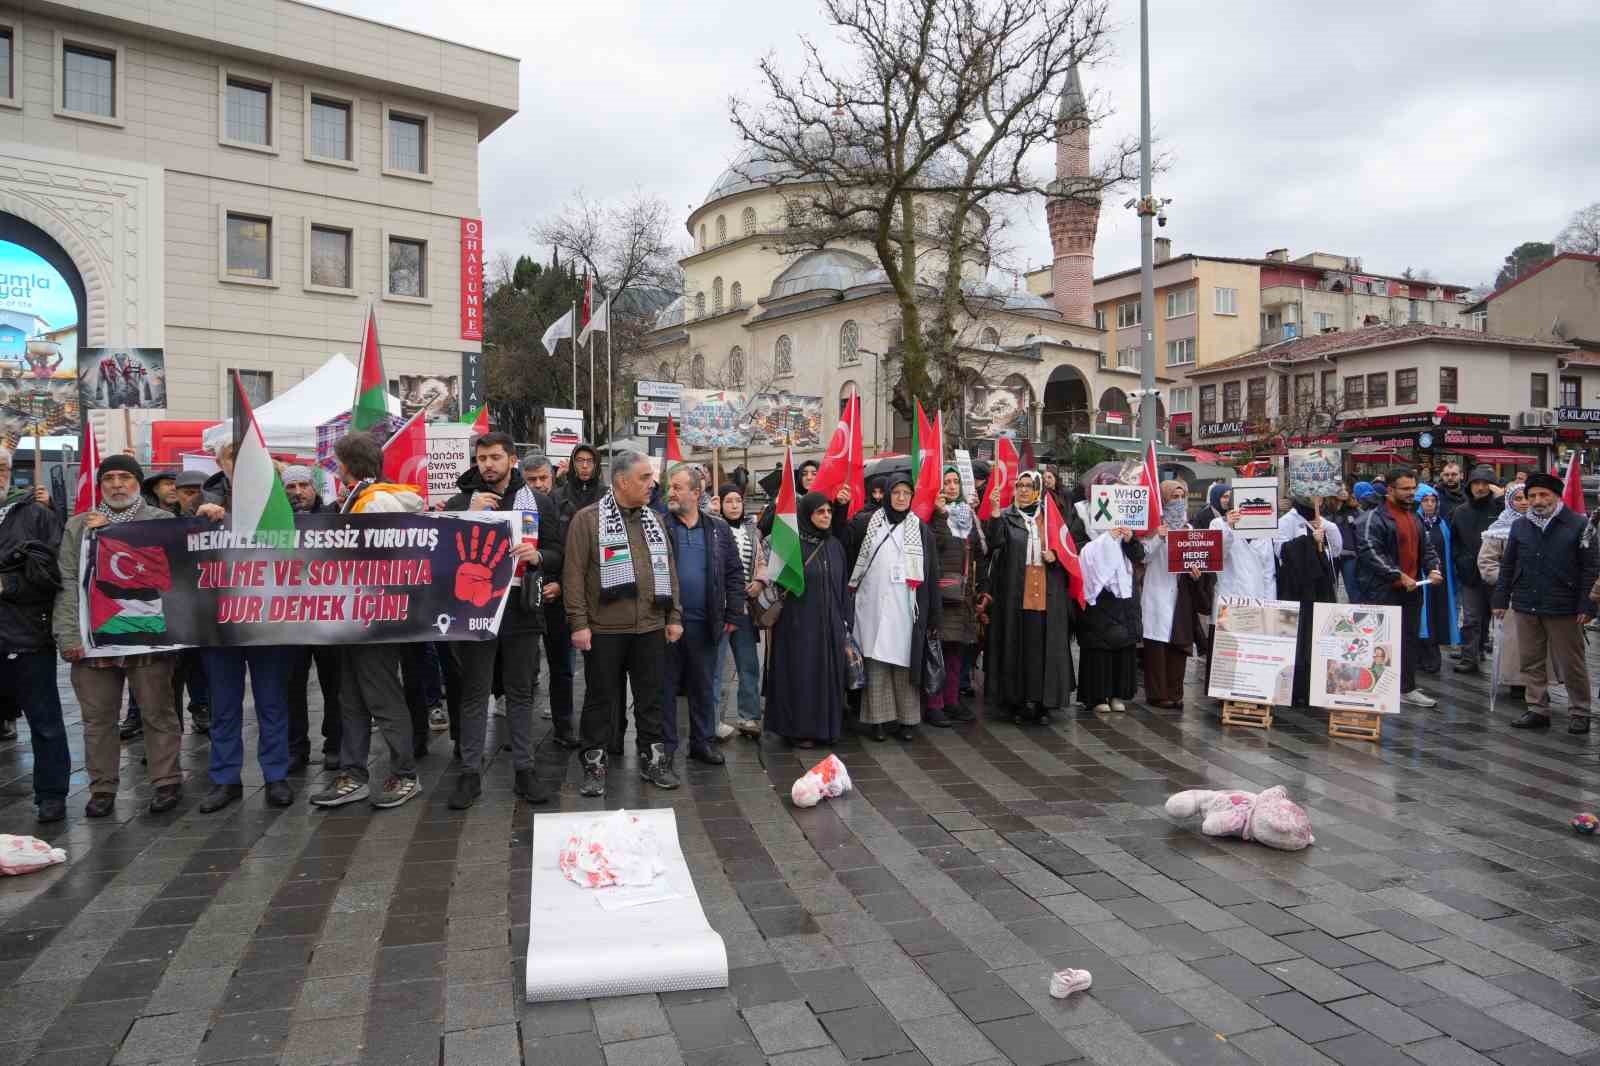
[{"x": 64, "y": 622}]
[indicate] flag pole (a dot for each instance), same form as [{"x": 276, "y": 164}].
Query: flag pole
[
  {"x": 572, "y": 324},
  {"x": 611, "y": 403},
  {"x": 594, "y": 427}
]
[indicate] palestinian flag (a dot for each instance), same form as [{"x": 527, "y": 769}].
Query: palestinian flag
[
  {"x": 125, "y": 593},
  {"x": 371, "y": 404},
  {"x": 927, "y": 456},
  {"x": 786, "y": 566},
  {"x": 260, "y": 506},
  {"x": 478, "y": 419}
]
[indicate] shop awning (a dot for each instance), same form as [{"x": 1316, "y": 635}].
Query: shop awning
[
  {"x": 1501, "y": 455},
  {"x": 1380, "y": 457},
  {"x": 1203, "y": 456},
  {"x": 1131, "y": 446}
]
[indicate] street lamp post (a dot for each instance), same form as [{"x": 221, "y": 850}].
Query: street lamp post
[{"x": 1149, "y": 208}]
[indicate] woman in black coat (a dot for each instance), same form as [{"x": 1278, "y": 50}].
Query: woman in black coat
[
  {"x": 1108, "y": 632},
  {"x": 1029, "y": 657},
  {"x": 805, "y": 682}
]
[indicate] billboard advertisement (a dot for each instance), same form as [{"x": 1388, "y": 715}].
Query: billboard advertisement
[{"x": 38, "y": 347}]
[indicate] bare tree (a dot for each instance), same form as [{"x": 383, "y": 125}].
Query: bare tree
[
  {"x": 913, "y": 143},
  {"x": 626, "y": 245},
  {"x": 1582, "y": 231}
]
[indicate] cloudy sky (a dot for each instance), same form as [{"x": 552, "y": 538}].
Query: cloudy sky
[{"x": 1427, "y": 134}]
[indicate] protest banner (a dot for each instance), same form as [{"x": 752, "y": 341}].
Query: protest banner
[
  {"x": 1315, "y": 471},
  {"x": 969, "y": 480},
  {"x": 1195, "y": 547},
  {"x": 449, "y": 455},
  {"x": 1256, "y": 500},
  {"x": 1111, "y": 506},
  {"x": 1355, "y": 658},
  {"x": 1253, "y": 650},
  {"x": 344, "y": 579}
]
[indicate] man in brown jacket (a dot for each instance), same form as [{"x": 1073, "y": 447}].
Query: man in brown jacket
[{"x": 621, "y": 590}]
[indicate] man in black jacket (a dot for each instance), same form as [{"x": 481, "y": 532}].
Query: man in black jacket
[
  {"x": 580, "y": 485},
  {"x": 1393, "y": 560},
  {"x": 30, "y": 539},
  {"x": 301, "y": 488},
  {"x": 492, "y": 485},
  {"x": 1451, "y": 492},
  {"x": 539, "y": 476},
  {"x": 1467, "y": 523},
  {"x": 1546, "y": 577}
]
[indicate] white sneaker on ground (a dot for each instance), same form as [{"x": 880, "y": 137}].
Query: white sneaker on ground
[
  {"x": 1418, "y": 698},
  {"x": 724, "y": 731},
  {"x": 1118, "y": 706},
  {"x": 749, "y": 727}
]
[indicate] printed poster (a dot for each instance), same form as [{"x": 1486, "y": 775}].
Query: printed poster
[
  {"x": 1256, "y": 500},
  {"x": 1111, "y": 506},
  {"x": 563, "y": 431},
  {"x": 1355, "y": 658},
  {"x": 969, "y": 479},
  {"x": 1315, "y": 471},
  {"x": 1194, "y": 547},
  {"x": 1253, "y": 650},
  {"x": 449, "y": 455},
  {"x": 38, "y": 348},
  {"x": 115, "y": 378},
  {"x": 437, "y": 394}
]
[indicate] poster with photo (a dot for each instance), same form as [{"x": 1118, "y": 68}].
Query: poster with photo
[
  {"x": 1253, "y": 650},
  {"x": 116, "y": 379},
  {"x": 1355, "y": 658},
  {"x": 38, "y": 347},
  {"x": 1256, "y": 500},
  {"x": 438, "y": 394},
  {"x": 1315, "y": 471}
]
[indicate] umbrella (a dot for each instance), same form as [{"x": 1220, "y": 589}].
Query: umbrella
[{"x": 1494, "y": 670}]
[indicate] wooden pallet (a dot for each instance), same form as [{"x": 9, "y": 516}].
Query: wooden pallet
[
  {"x": 1355, "y": 725},
  {"x": 1256, "y": 715}
]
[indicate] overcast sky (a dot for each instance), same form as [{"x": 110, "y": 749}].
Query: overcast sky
[{"x": 1426, "y": 134}]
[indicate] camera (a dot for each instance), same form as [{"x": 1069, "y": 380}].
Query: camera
[{"x": 1161, "y": 219}]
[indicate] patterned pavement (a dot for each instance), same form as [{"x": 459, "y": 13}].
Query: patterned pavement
[{"x": 1446, "y": 914}]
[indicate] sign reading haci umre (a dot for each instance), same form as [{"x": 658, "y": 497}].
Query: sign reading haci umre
[
  {"x": 1111, "y": 506},
  {"x": 472, "y": 279},
  {"x": 1201, "y": 548}
]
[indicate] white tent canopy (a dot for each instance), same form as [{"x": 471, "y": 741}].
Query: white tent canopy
[{"x": 290, "y": 421}]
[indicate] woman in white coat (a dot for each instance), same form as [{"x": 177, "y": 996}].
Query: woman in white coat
[
  {"x": 1172, "y": 604},
  {"x": 1309, "y": 546},
  {"x": 1249, "y": 564}
]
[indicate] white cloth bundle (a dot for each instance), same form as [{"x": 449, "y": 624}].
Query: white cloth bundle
[
  {"x": 617, "y": 849},
  {"x": 23, "y": 855},
  {"x": 828, "y": 779}
]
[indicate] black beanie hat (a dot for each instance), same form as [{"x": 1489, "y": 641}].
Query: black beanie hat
[
  {"x": 125, "y": 463},
  {"x": 1542, "y": 480}
]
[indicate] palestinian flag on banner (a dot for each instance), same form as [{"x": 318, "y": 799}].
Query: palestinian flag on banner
[
  {"x": 371, "y": 403},
  {"x": 786, "y": 565},
  {"x": 477, "y": 419},
  {"x": 260, "y": 506},
  {"x": 125, "y": 592}
]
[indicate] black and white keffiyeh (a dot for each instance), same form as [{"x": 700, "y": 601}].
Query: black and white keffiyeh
[
  {"x": 127, "y": 514},
  {"x": 616, "y": 554},
  {"x": 910, "y": 531}
]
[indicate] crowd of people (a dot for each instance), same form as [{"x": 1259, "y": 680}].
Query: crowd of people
[{"x": 661, "y": 583}]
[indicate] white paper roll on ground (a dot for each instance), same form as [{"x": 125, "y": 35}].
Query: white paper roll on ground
[{"x": 578, "y": 949}]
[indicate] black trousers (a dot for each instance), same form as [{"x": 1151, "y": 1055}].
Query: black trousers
[
  {"x": 558, "y": 653},
  {"x": 326, "y": 658},
  {"x": 454, "y": 688},
  {"x": 413, "y": 661},
  {"x": 1410, "y": 604},
  {"x": 615, "y": 663},
  {"x": 1475, "y": 629}
]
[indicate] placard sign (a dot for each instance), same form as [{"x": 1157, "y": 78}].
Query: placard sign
[
  {"x": 1315, "y": 471},
  {"x": 1256, "y": 500},
  {"x": 563, "y": 431},
  {"x": 1355, "y": 658},
  {"x": 1253, "y": 650},
  {"x": 969, "y": 480},
  {"x": 1194, "y": 547},
  {"x": 449, "y": 455},
  {"x": 1111, "y": 506}
]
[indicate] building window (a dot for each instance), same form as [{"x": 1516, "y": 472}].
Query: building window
[
  {"x": 1305, "y": 392},
  {"x": 1129, "y": 314},
  {"x": 1378, "y": 390},
  {"x": 747, "y": 221},
  {"x": 1181, "y": 352},
  {"x": 1480, "y": 321},
  {"x": 1227, "y": 301},
  {"x": 1130, "y": 358},
  {"x": 699, "y": 305},
  {"x": 1099, "y": 318},
  {"x": 1448, "y": 392},
  {"x": 703, "y": 244},
  {"x": 407, "y": 268},
  {"x": 849, "y": 344},
  {"x": 783, "y": 357},
  {"x": 1405, "y": 387},
  {"x": 664, "y": 372},
  {"x": 1321, "y": 321},
  {"x": 1180, "y": 303},
  {"x": 1539, "y": 391},
  {"x": 1232, "y": 409},
  {"x": 248, "y": 247},
  {"x": 1208, "y": 403},
  {"x": 256, "y": 385},
  {"x": 407, "y": 143},
  {"x": 1182, "y": 399},
  {"x": 1416, "y": 311},
  {"x": 1330, "y": 389},
  {"x": 329, "y": 258},
  {"x": 716, "y": 296},
  {"x": 8, "y": 86},
  {"x": 330, "y": 131},
  {"x": 1355, "y": 392},
  {"x": 1258, "y": 399},
  {"x": 722, "y": 229},
  {"x": 247, "y": 112},
  {"x": 89, "y": 81},
  {"x": 989, "y": 338},
  {"x": 736, "y": 366},
  {"x": 1571, "y": 392},
  {"x": 697, "y": 371}
]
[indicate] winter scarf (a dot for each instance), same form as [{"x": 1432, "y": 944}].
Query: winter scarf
[
  {"x": 1543, "y": 522},
  {"x": 910, "y": 530},
  {"x": 116, "y": 518},
  {"x": 1106, "y": 567},
  {"x": 616, "y": 554},
  {"x": 1500, "y": 528},
  {"x": 1429, "y": 523}
]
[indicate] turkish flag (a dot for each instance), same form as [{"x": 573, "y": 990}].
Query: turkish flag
[
  {"x": 674, "y": 452},
  {"x": 1572, "y": 491},
  {"x": 1149, "y": 475},
  {"x": 844, "y": 465},
  {"x": 1002, "y": 476},
  {"x": 131, "y": 570},
  {"x": 405, "y": 457},
  {"x": 929, "y": 459},
  {"x": 88, "y": 496},
  {"x": 1059, "y": 537}
]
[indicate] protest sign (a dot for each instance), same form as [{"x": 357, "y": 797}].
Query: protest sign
[
  {"x": 1315, "y": 471},
  {"x": 345, "y": 579},
  {"x": 1256, "y": 500},
  {"x": 1194, "y": 547},
  {"x": 1111, "y": 506},
  {"x": 563, "y": 431},
  {"x": 1355, "y": 658},
  {"x": 449, "y": 455},
  {"x": 969, "y": 480},
  {"x": 1253, "y": 650}
]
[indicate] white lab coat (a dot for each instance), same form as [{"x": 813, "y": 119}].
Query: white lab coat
[
  {"x": 1249, "y": 565},
  {"x": 1292, "y": 525},
  {"x": 885, "y": 605},
  {"x": 1159, "y": 601}
]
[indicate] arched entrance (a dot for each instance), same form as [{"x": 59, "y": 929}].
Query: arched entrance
[
  {"x": 1067, "y": 408},
  {"x": 1114, "y": 416},
  {"x": 43, "y": 307}
]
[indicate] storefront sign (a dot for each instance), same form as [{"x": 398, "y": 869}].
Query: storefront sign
[
  {"x": 1578, "y": 414},
  {"x": 1422, "y": 419},
  {"x": 472, "y": 279},
  {"x": 658, "y": 390},
  {"x": 39, "y": 347},
  {"x": 1355, "y": 658},
  {"x": 472, "y": 384},
  {"x": 1111, "y": 506},
  {"x": 1194, "y": 547},
  {"x": 659, "y": 408},
  {"x": 1253, "y": 650},
  {"x": 1221, "y": 429}
]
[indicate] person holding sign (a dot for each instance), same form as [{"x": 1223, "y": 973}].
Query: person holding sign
[
  {"x": 1393, "y": 560},
  {"x": 1172, "y": 603},
  {"x": 1249, "y": 567},
  {"x": 1308, "y": 545},
  {"x": 1109, "y": 627},
  {"x": 1029, "y": 606}
]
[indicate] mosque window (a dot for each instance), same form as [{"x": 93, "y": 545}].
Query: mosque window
[
  {"x": 783, "y": 357},
  {"x": 748, "y": 221},
  {"x": 722, "y": 228},
  {"x": 989, "y": 338},
  {"x": 697, "y": 371},
  {"x": 736, "y": 296},
  {"x": 736, "y": 366},
  {"x": 716, "y": 296},
  {"x": 699, "y": 305},
  {"x": 849, "y": 344}
]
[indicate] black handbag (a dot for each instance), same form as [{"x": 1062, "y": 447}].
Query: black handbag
[{"x": 932, "y": 666}]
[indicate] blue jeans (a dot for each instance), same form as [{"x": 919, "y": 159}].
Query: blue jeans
[
  {"x": 30, "y": 676},
  {"x": 687, "y": 670},
  {"x": 269, "y": 669},
  {"x": 748, "y": 665}
]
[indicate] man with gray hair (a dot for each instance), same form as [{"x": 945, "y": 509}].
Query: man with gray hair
[
  {"x": 540, "y": 477},
  {"x": 621, "y": 590}
]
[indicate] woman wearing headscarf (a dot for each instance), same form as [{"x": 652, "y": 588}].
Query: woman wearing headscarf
[
  {"x": 1489, "y": 555},
  {"x": 1172, "y": 602},
  {"x": 1438, "y": 618},
  {"x": 1054, "y": 487},
  {"x": 806, "y": 677},
  {"x": 958, "y": 539},
  {"x": 1309, "y": 548},
  {"x": 1219, "y": 501},
  {"x": 1249, "y": 566},
  {"x": 1109, "y": 628},
  {"x": 1030, "y": 610},
  {"x": 743, "y": 641},
  {"x": 895, "y": 582}
]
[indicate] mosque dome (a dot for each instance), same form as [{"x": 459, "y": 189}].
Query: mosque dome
[
  {"x": 670, "y": 315},
  {"x": 833, "y": 269}
]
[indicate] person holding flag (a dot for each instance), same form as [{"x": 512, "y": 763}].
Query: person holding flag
[
  {"x": 1028, "y": 601},
  {"x": 1173, "y": 603},
  {"x": 958, "y": 540}
]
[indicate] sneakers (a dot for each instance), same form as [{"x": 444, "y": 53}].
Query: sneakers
[
  {"x": 397, "y": 790},
  {"x": 499, "y": 706},
  {"x": 469, "y": 786},
  {"x": 749, "y": 727},
  {"x": 530, "y": 788},
  {"x": 345, "y": 789},
  {"x": 132, "y": 727},
  {"x": 438, "y": 719},
  {"x": 1418, "y": 698},
  {"x": 724, "y": 731},
  {"x": 1118, "y": 706},
  {"x": 658, "y": 768},
  {"x": 594, "y": 773},
  {"x": 220, "y": 796}
]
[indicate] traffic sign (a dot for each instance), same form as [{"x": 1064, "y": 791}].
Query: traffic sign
[
  {"x": 659, "y": 408},
  {"x": 645, "y": 427}
]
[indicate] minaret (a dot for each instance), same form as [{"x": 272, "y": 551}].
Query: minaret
[{"x": 1074, "y": 211}]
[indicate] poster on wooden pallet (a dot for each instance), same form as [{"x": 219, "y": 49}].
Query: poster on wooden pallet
[
  {"x": 1253, "y": 650},
  {"x": 1355, "y": 658}
]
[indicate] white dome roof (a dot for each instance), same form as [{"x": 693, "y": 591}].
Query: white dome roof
[
  {"x": 670, "y": 315},
  {"x": 828, "y": 268},
  {"x": 749, "y": 171}
]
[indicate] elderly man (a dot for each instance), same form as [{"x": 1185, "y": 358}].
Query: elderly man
[
  {"x": 190, "y": 487},
  {"x": 161, "y": 490},
  {"x": 540, "y": 477},
  {"x": 98, "y": 682},
  {"x": 621, "y": 590},
  {"x": 1393, "y": 560},
  {"x": 1546, "y": 576},
  {"x": 299, "y": 484},
  {"x": 30, "y": 541}
]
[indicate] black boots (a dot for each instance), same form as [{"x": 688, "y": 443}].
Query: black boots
[
  {"x": 469, "y": 786},
  {"x": 594, "y": 773},
  {"x": 529, "y": 787},
  {"x": 1531, "y": 720}
]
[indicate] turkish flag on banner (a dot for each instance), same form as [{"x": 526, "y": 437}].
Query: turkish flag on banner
[
  {"x": 844, "y": 465},
  {"x": 1150, "y": 476},
  {"x": 1002, "y": 476},
  {"x": 405, "y": 457},
  {"x": 1572, "y": 491},
  {"x": 1059, "y": 538}
]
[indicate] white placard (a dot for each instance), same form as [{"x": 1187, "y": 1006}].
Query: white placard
[
  {"x": 1256, "y": 500},
  {"x": 563, "y": 431},
  {"x": 1111, "y": 506},
  {"x": 1355, "y": 657},
  {"x": 658, "y": 390},
  {"x": 449, "y": 455},
  {"x": 1253, "y": 650},
  {"x": 969, "y": 480}
]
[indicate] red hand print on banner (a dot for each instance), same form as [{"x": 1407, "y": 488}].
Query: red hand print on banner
[{"x": 475, "y": 574}]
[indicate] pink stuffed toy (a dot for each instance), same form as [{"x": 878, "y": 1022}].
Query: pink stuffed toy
[{"x": 1269, "y": 817}]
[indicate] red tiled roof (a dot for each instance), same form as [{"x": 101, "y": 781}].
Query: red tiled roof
[
  {"x": 1305, "y": 349},
  {"x": 1583, "y": 257}
]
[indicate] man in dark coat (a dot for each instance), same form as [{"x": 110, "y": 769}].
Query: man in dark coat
[
  {"x": 1547, "y": 579},
  {"x": 1467, "y": 523},
  {"x": 492, "y": 484},
  {"x": 1452, "y": 493},
  {"x": 580, "y": 485},
  {"x": 1393, "y": 558}
]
